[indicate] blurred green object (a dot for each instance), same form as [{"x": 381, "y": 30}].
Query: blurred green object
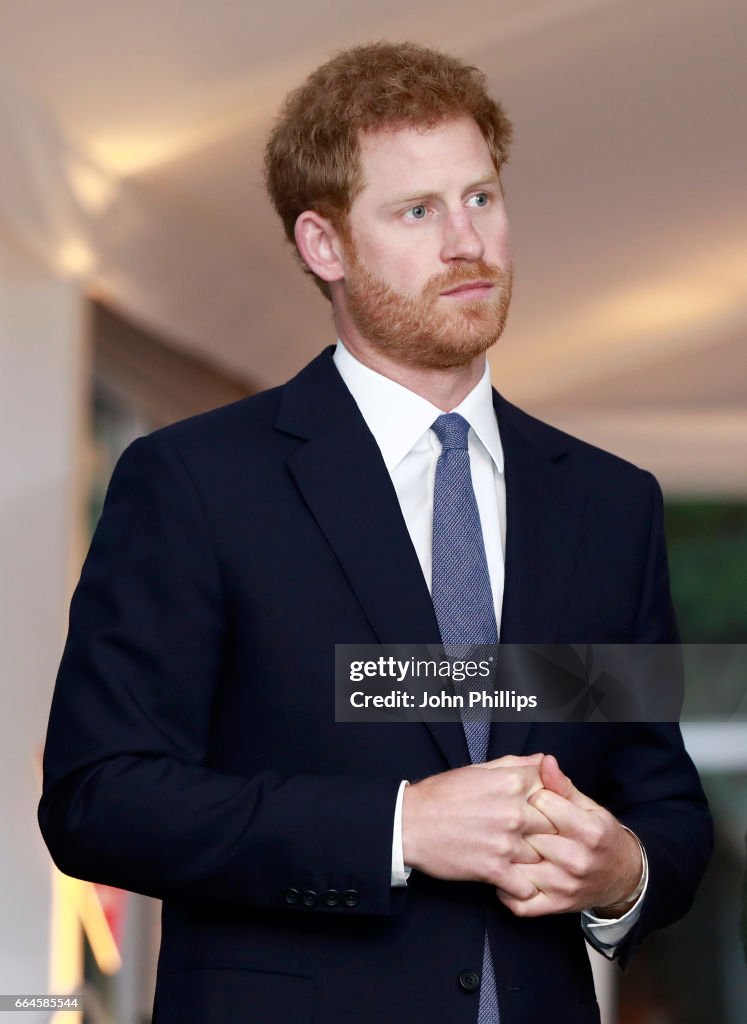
[{"x": 707, "y": 543}]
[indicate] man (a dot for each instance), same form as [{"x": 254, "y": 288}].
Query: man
[{"x": 193, "y": 753}]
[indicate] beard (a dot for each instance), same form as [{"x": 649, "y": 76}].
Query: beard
[{"x": 421, "y": 331}]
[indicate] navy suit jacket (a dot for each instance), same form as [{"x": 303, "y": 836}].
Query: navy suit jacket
[{"x": 193, "y": 754}]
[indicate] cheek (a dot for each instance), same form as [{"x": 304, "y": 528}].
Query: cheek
[
  {"x": 506, "y": 249},
  {"x": 399, "y": 270},
  {"x": 408, "y": 277},
  {"x": 497, "y": 242},
  {"x": 503, "y": 244}
]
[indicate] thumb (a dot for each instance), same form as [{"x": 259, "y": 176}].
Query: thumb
[{"x": 554, "y": 779}]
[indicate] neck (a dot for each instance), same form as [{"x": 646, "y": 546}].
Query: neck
[{"x": 443, "y": 388}]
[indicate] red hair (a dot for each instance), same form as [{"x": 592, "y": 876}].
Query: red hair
[{"x": 312, "y": 154}]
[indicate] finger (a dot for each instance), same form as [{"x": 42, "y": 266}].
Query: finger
[
  {"x": 537, "y": 906},
  {"x": 565, "y": 853},
  {"x": 514, "y": 882},
  {"x": 535, "y": 821},
  {"x": 553, "y": 880},
  {"x": 519, "y": 780},
  {"x": 525, "y": 854},
  {"x": 554, "y": 780},
  {"x": 568, "y": 818}
]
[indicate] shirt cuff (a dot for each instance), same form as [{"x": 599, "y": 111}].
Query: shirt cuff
[
  {"x": 400, "y": 873},
  {"x": 604, "y": 933}
]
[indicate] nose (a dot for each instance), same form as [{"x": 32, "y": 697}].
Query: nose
[{"x": 461, "y": 239}]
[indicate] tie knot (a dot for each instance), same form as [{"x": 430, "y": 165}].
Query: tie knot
[{"x": 451, "y": 429}]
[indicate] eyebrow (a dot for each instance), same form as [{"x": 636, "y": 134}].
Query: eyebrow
[{"x": 491, "y": 179}]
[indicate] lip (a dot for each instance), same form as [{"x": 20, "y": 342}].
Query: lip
[{"x": 470, "y": 289}]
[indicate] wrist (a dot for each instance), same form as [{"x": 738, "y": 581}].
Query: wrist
[{"x": 635, "y": 881}]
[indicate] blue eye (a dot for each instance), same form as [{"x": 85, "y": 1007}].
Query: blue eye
[
  {"x": 417, "y": 212},
  {"x": 481, "y": 199}
]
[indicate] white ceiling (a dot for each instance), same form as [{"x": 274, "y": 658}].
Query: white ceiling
[{"x": 130, "y": 154}]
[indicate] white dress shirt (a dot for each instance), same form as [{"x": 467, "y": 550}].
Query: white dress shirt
[{"x": 400, "y": 421}]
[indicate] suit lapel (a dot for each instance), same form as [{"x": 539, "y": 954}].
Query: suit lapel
[
  {"x": 342, "y": 478},
  {"x": 543, "y": 520},
  {"x": 347, "y": 488}
]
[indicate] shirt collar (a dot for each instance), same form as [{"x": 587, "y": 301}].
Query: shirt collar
[{"x": 398, "y": 418}]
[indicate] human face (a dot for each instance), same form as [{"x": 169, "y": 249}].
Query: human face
[{"x": 427, "y": 250}]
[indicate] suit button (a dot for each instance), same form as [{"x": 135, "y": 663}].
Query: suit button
[
  {"x": 309, "y": 898},
  {"x": 291, "y": 896},
  {"x": 469, "y": 981},
  {"x": 332, "y": 897},
  {"x": 350, "y": 897}
]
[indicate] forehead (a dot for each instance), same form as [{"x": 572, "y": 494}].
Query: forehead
[{"x": 432, "y": 160}]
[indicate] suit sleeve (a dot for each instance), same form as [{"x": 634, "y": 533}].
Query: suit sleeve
[
  {"x": 129, "y": 797},
  {"x": 654, "y": 788}
]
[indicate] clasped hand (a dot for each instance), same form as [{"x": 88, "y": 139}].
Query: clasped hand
[{"x": 519, "y": 824}]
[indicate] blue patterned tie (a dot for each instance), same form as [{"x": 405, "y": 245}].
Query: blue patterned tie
[{"x": 463, "y": 602}]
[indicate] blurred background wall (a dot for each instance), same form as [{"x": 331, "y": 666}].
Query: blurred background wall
[{"x": 143, "y": 278}]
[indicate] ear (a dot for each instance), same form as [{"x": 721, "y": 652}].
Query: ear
[{"x": 320, "y": 245}]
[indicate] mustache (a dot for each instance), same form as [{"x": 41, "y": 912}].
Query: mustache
[{"x": 463, "y": 274}]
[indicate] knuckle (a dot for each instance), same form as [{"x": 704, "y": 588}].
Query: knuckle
[
  {"x": 512, "y": 820},
  {"x": 495, "y": 874},
  {"x": 520, "y": 908},
  {"x": 537, "y": 800},
  {"x": 595, "y": 834},
  {"x": 567, "y": 886},
  {"x": 580, "y": 864},
  {"x": 502, "y": 846},
  {"x": 514, "y": 782}
]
